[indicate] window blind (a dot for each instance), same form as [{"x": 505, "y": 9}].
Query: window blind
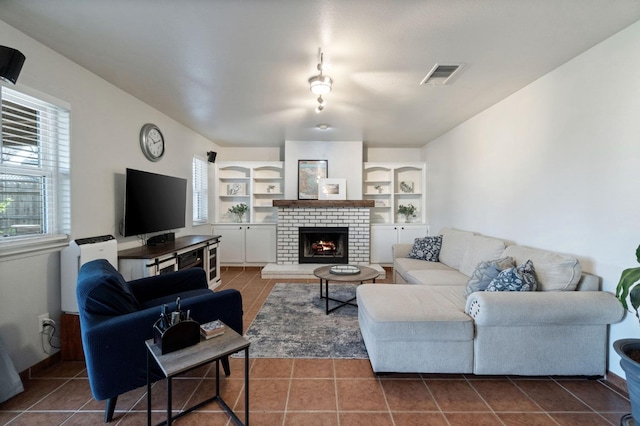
[
  {"x": 200, "y": 199},
  {"x": 35, "y": 196}
]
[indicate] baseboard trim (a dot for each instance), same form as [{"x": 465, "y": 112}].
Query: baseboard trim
[
  {"x": 617, "y": 382},
  {"x": 42, "y": 365}
]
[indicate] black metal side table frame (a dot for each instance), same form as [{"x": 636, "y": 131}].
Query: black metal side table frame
[
  {"x": 326, "y": 297},
  {"x": 325, "y": 276},
  {"x": 153, "y": 352}
]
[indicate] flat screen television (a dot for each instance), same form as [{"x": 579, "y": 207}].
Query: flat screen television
[{"x": 153, "y": 202}]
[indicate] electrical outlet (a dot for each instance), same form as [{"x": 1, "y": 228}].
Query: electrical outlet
[{"x": 42, "y": 320}]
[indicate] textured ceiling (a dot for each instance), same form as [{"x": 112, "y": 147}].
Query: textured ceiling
[{"x": 236, "y": 71}]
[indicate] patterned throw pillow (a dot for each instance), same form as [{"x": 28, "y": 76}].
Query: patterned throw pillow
[
  {"x": 427, "y": 248},
  {"x": 486, "y": 272},
  {"x": 522, "y": 278}
]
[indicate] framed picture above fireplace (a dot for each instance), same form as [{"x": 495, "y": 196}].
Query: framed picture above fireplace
[
  {"x": 332, "y": 189},
  {"x": 309, "y": 174}
]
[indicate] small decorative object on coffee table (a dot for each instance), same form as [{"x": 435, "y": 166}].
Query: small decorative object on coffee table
[
  {"x": 344, "y": 270},
  {"x": 326, "y": 274}
]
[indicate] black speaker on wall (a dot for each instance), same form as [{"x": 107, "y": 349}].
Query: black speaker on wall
[
  {"x": 11, "y": 61},
  {"x": 211, "y": 156}
]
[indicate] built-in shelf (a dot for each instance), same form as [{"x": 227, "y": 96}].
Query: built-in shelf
[
  {"x": 254, "y": 183},
  {"x": 390, "y": 185}
]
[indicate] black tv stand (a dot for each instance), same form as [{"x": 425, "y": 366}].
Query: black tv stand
[{"x": 184, "y": 252}]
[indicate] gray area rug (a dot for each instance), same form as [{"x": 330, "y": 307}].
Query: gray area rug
[{"x": 292, "y": 324}]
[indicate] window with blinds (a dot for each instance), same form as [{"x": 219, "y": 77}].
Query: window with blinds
[
  {"x": 34, "y": 167},
  {"x": 200, "y": 199}
]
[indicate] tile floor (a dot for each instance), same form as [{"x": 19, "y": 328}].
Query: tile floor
[{"x": 323, "y": 392}]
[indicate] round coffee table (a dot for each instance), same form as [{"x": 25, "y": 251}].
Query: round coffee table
[{"x": 324, "y": 273}]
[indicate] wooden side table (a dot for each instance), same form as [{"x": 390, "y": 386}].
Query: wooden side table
[{"x": 183, "y": 360}]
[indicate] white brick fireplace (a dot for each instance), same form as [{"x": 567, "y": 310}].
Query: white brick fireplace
[{"x": 294, "y": 214}]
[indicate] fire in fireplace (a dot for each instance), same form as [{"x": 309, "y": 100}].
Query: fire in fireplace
[{"x": 323, "y": 245}]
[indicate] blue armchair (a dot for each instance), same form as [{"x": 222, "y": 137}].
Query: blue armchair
[{"x": 117, "y": 316}]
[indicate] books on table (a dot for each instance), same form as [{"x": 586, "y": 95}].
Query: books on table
[{"x": 212, "y": 329}]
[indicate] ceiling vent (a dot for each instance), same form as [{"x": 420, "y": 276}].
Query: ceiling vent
[{"x": 440, "y": 74}]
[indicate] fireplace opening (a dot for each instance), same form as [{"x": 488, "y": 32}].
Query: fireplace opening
[{"x": 323, "y": 245}]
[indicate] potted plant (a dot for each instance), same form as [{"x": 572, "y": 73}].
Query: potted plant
[
  {"x": 238, "y": 210},
  {"x": 408, "y": 211},
  {"x": 629, "y": 349}
]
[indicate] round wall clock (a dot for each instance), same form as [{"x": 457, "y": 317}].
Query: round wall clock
[{"x": 151, "y": 142}]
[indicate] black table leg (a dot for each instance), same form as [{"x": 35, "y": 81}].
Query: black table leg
[
  {"x": 148, "y": 390},
  {"x": 246, "y": 386},
  {"x": 168, "y": 401},
  {"x": 217, "y": 378},
  {"x": 326, "y": 292}
]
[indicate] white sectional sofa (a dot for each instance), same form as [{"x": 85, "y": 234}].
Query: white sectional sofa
[{"x": 425, "y": 323}]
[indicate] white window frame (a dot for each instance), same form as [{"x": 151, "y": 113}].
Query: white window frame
[
  {"x": 199, "y": 186},
  {"x": 54, "y": 168}
]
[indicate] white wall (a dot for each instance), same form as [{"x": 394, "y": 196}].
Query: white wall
[
  {"x": 554, "y": 166},
  {"x": 250, "y": 154},
  {"x": 393, "y": 155},
  {"x": 344, "y": 160},
  {"x": 105, "y": 123}
]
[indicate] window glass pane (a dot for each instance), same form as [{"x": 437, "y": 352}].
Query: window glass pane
[{"x": 21, "y": 205}]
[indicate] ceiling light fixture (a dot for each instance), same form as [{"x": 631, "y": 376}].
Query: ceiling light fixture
[
  {"x": 320, "y": 84},
  {"x": 323, "y": 126},
  {"x": 321, "y": 104}
]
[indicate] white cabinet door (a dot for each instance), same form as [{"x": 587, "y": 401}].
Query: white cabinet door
[
  {"x": 231, "y": 243},
  {"x": 382, "y": 238},
  {"x": 408, "y": 233},
  {"x": 260, "y": 243}
]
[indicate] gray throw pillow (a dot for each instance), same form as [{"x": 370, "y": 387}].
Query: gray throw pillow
[
  {"x": 427, "y": 248},
  {"x": 522, "y": 278},
  {"x": 485, "y": 272}
]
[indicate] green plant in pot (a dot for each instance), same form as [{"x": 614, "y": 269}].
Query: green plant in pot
[
  {"x": 408, "y": 211},
  {"x": 629, "y": 349},
  {"x": 238, "y": 210}
]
